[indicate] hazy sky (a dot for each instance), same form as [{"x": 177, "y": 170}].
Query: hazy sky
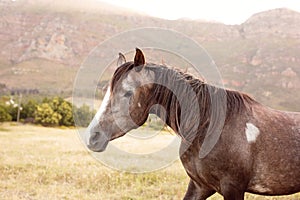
[{"x": 226, "y": 11}]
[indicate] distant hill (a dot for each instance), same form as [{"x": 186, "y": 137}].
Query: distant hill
[{"x": 44, "y": 42}]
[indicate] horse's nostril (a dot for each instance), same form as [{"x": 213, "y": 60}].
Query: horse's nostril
[{"x": 94, "y": 135}]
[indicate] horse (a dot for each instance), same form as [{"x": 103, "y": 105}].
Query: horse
[{"x": 257, "y": 149}]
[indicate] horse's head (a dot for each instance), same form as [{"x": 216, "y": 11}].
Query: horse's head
[{"x": 126, "y": 103}]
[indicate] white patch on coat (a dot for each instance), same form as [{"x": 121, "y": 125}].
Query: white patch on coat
[
  {"x": 139, "y": 104},
  {"x": 251, "y": 132}
]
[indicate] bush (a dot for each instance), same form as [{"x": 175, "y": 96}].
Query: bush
[
  {"x": 28, "y": 109},
  {"x": 4, "y": 115},
  {"x": 54, "y": 112},
  {"x": 13, "y": 112},
  {"x": 48, "y": 112},
  {"x": 65, "y": 110},
  {"x": 83, "y": 115},
  {"x": 45, "y": 115}
]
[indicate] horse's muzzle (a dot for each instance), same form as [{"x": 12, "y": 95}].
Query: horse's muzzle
[{"x": 98, "y": 142}]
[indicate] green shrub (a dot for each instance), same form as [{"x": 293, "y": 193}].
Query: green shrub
[
  {"x": 83, "y": 115},
  {"x": 47, "y": 112},
  {"x": 4, "y": 115},
  {"x": 46, "y": 116},
  {"x": 28, "y": 109},
  {"x": 65, "y": 110},
  {"x": 54, "y": 112}
]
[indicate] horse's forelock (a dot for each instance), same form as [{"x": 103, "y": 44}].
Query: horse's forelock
[{"x": 120, "y": 73}]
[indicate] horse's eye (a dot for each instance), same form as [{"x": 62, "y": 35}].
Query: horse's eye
[{"x": 128, "y": 94}]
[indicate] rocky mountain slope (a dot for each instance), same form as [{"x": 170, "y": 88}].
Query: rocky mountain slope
[{"x": 43, "y": 43}]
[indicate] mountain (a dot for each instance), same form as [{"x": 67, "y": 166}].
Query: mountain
[{"x": 43, "y": 43}]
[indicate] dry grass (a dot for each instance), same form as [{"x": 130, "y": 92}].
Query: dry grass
[{"x": 47, "y": 163}]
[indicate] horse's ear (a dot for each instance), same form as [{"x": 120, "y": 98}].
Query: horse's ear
[
  {"x": 139, "y": 59},
  {"x": 121, "y": 59}
]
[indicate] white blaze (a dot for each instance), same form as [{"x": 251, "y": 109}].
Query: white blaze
[
  {"x": 251, "y": 132},
  {"x": 103, "y": 104},
  {"x": 97, "y": 116}
]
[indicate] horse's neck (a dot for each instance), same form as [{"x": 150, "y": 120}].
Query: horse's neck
[
  {"x": 183, "y": 107},
  {"x": 193, "y": 108},
  {"x": 167, "y": 109}
]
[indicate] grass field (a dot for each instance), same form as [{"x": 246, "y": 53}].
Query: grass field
[{"x": 47, "y": 163}]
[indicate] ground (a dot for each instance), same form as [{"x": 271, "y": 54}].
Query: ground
[{"x": 51, "y": 163}]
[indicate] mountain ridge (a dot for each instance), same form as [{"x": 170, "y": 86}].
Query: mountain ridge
[{"x": 258, "y": 56}]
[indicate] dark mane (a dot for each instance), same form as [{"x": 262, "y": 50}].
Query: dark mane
[
  {"x": 236, "y": 101},
  {"x": 205, "y": 96}
]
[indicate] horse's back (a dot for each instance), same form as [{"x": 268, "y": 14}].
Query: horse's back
[{"x": 295, "y": 116}]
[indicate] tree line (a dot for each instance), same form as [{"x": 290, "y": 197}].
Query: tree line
[{"x": 48, "y": 112}]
